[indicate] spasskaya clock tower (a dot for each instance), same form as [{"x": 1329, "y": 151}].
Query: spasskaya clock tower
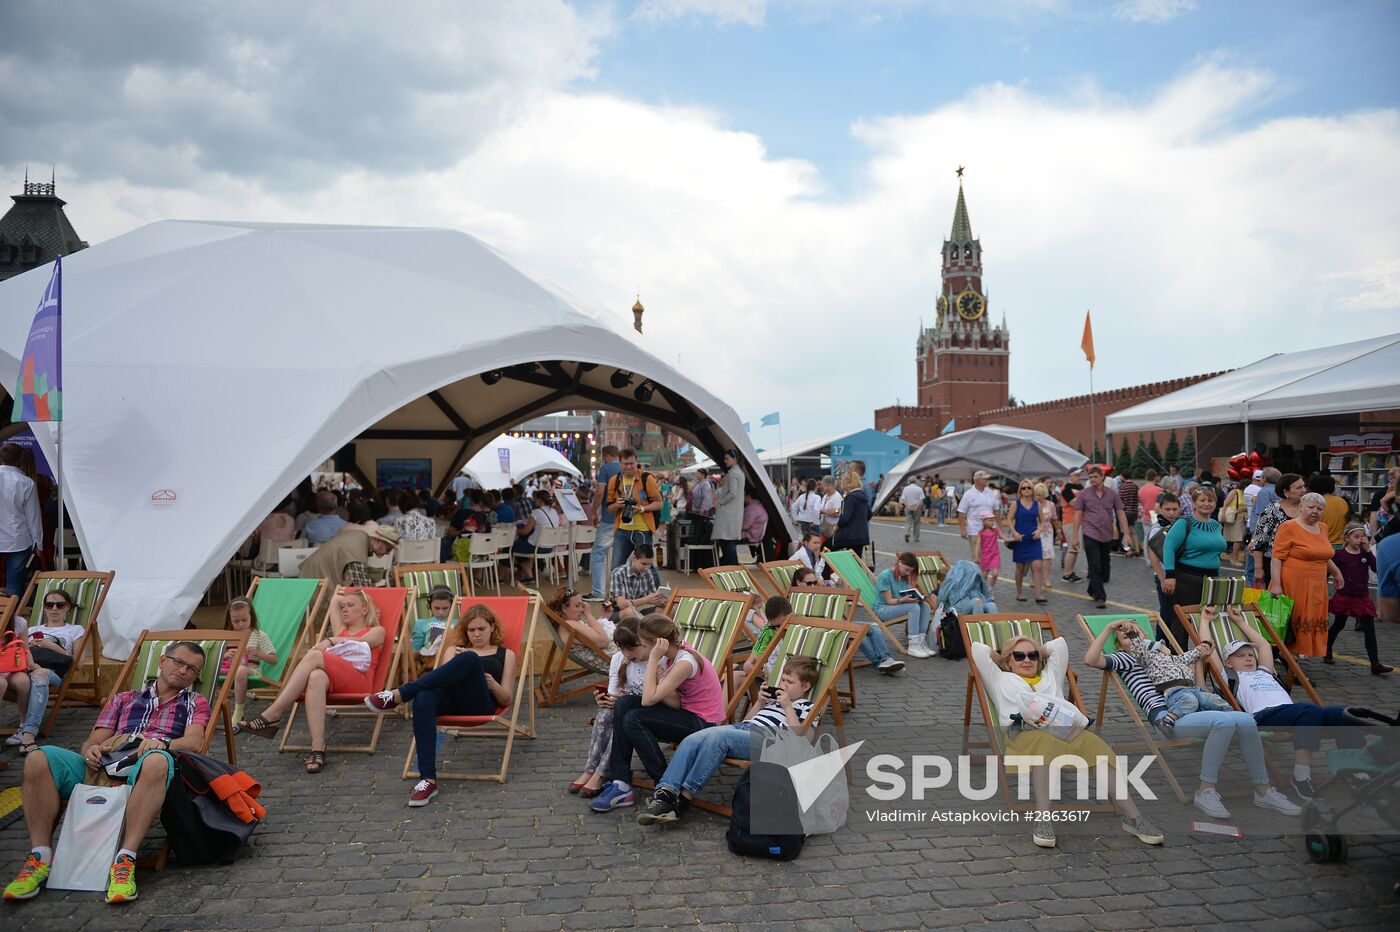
[{"x": 963, "y": 361}]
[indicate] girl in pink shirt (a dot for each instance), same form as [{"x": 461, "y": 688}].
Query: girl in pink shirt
[{"x": 990, "y": 556}]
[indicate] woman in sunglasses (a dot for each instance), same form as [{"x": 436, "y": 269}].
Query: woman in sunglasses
[
  {"x": 1024, "y": 670},
  {"x": 53, "y": 643}
]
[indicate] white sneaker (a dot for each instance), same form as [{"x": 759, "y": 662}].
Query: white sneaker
[
  {"x": 1208, "y": 801},
  {"x": 16, "y": 739},
  {"x": 890, "y": 666},
  {"x": 918, "y": 646},
  {"x": 1277, "y": 802}
]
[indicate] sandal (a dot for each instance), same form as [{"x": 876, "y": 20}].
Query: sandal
[
  {"x": 27, "y": 747},
  {"x": 1020, "y": 598},
  {"x": 315, "y": 761},
  {"x": 1042, "y": 601},
  {"x": 258, "y": 726},
  {"x": 576, "y": 786}
]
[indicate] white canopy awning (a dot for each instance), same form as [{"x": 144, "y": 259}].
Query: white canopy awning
[
  {"x": 210, "y": 367},
  {"x": 1345, "y": 379},
  {"x": 527, "y": 457}
]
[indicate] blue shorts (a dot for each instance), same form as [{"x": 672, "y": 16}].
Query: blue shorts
[{"x": 69, "y": 769}]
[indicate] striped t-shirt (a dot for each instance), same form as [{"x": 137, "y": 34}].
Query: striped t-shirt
[
  {"x": 772, "y": 717},
  {"x": 1139, "y": 685}
]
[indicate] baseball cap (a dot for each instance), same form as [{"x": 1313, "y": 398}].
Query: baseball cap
[
  {"x": 981, "y": 474},
  {"x": 1235, "y": 646},
  {"x": 1259, "y": 474}
]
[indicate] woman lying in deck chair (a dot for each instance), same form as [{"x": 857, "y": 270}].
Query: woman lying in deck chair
[
  {"x": 333, "y": 665},
  {"x": 1217, "y": 727},
  {"x": 53, "y": 643},
  {"x": 1023, "y": 671},
  {"x": 475, "y": 675},
  {"x": 593, "y": 645}
]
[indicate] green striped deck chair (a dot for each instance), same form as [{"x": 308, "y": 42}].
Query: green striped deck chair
[
  {"x": 1093, "y": 626},
  {"x": 142, "y": 666},
  {"x": 733, "y": 579},
  {"x": 288, "y": 611},
  {"x": 835, "y": 604},
  {"x": 1223, "y": 630},
  {"x": 710, "y": 622},
  {"x": 425, "y": 577},
  {"x": 781, "y": 573},
  {"x": 82, "y": 684},
  {"x": 933, "y": 566},
  {"x": 857, "y": 575},
  {"x": 1223, "y": 590}
]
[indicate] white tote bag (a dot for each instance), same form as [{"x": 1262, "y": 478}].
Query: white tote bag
[
  {"x": 820, "y": 784},
  {"x": 89, "y": 837}
]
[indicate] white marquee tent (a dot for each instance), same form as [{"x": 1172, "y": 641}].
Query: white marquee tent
[
  {"x": 527, "y": 457},
  {"x": 210, "y": 367},
  {"x": 1344, "y": 379}
]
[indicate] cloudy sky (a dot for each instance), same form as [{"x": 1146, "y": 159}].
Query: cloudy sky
[{"x": 1215, "y": 180}]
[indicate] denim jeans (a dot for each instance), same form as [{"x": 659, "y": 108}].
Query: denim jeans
[
  {"x": 918, "y": 613},
  {"x": 458, "y": 687},
  {"x": 39, "y": 685},
  {"x": 1187, "y": 699},
  {"x": 624, "y": 542},
  {"x": 598, "y": 558},
  {"x": 642, "y": 728},
  {"x": 17, "y": 571},
  {"x": 873, "y": 645},
  {"x": 728, "y": 552},
  {"x": 1217, "y": 728},
  {"x": 1308, "y": 718},
  {"x": 699, "y": 756}
]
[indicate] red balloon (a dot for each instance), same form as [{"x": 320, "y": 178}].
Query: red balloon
[{"x": 1256, "y": 460}]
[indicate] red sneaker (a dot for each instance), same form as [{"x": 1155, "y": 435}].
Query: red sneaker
[
  {"x": 423, "y": 792},
  {"x": 382, "y": 702}
]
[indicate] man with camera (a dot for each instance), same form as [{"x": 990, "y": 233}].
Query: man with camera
[
  {"x": 634, "y": 498},
  {"x": 167, "y": 715}
]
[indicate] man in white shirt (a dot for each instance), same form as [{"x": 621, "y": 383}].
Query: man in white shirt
[
  {"x": 976, "y": 500},
  {"x": 21, "y": 527},
  {"x": 1251, "y": 491},
  {"x": 912, "y": 499}
]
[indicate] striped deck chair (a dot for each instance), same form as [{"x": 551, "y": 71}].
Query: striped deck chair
[
  {"x": 1221, "y": 591},
  {"x": 395, "y": 606},
  {"x": 1223, "y": 631},
  {"x": 557, "y": 682},
  {"x": 994, "y": 631},
  {"x": 933, "y": 566},
  {"x": 518, "y": 616},
  {"x": 288, "y": 611},
  {"x": 1093, "y": 626},
  {"x": 425, "y": 577},
  {"x": 781, "y": 572},
  {"x": 836, "y": 604},
  {"x": 140, "y": 669},
  {"x": 857, "y": 575},
  {"x": 82, "y": 685},
  {"x": 711, "y": 621},
  {"x": 734, "y": 579},
  {"x": 8, "y": 604}
]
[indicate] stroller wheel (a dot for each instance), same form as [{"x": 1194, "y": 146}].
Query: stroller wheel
[{"x": 1323, "y": 848}]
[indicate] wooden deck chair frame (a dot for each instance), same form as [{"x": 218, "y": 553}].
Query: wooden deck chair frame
[
  {"x": 869, "y": 577},
  {"x": 554, "y": 672},
  {"x": 1188, "y": 616},
  {"x": 464, "y": 587},
  {"x": 996, "y": 741},
  {"x": 301, "y": 643},
  {"x": 722, "y": 659},
  {"x": 852, "y": 597},
  {"x": 218, "y": 705},
  {"x": 780, "y": 573},
  {"x": 395, "y": 672},
  {"x": 498, "y": 724},
  {"x": 88, "y": 656},
  {"x": 922, "y": 582},
  {"x": 825, "y": 697},
  {"x": 8, "y": 605},
  {"x": 717, "y": 576},
  {"x": 1146, "y": 622}
]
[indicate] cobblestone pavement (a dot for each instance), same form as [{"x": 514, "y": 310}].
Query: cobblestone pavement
[{"x": 341, "y": 849}]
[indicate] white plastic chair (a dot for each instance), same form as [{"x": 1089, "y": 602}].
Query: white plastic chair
[
  {"x": 290, "y": 559},
  {"x": 584, "y": 536},
  {"x": 482, "y": 558},
  {"x": 556, "y": 539},
  {"x": 419, "y": 551}
]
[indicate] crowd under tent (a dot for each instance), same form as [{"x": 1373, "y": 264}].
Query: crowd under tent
[
  {"x": 209, "y": 367},
  {"x": 522, "y": 458}
]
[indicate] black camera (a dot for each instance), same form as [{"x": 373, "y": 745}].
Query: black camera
[{"x": 629, "y": 510}]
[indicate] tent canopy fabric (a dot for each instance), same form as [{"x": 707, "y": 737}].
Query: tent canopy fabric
[
  {"x": 1006, "y": 451},
  {"x": 1343, "y": 379},
  {"x": 210, "y": 367},
  {"x": 527, "y": 457}
]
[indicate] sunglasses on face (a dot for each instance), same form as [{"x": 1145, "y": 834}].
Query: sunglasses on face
[
  {"x": 55, "y": 605},
  {"x": 1023, "y": 655}
]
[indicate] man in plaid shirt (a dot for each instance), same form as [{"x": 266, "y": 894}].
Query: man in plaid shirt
[
  {"x": 636, "y": 585},
  {"x": 167, "y": 715}
]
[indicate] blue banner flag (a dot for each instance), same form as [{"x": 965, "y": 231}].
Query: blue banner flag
[
  {"x": 746, "y": 427},
  {"x": 949, "y": 427},
  {"x": 39, "y": 394},
  {"x": 769, "y": 420}
]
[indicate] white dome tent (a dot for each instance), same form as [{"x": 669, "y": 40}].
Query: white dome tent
[
  {"x": 527, "y": 457},
  {"x": 210, "y": 367}
]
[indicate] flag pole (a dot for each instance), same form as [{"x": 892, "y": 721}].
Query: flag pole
[
  {"x": 1093, "y": 421},
  {"x": 61, "y": 563}
]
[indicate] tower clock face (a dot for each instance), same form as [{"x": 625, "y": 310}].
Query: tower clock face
[{"x": 970, "y": 305}]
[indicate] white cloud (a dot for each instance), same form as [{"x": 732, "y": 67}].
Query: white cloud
[
  {"x": 1152, "y": 11},
  {"x": 1199, "y": 243},
  {"x": 724, "y": 12}
]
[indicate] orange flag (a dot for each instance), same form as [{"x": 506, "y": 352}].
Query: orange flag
[{"x": 1087, "y": 344}]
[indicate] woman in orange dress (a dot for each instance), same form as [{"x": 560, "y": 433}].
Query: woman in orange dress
[{"x": 1302, "y": 561}]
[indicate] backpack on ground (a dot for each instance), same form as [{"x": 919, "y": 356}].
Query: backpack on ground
[
  {"x": 778, "y": 792},
  {"x": 950, "y": 639}
]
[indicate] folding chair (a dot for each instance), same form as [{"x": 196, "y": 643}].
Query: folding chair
[
  {"x": 1223, "y": 631},
  {"x": 857, "y": 575},
  {"x": 553, "y": 677},
  {"x": 424, "y": 578},
  {"x": 8, "y": 604},
  {"x": 933, "y": 566},
  {"x": 1093, "y": 626},
  {"x": 140, "y": 668},
  {"x": 395, "y": 611},
  {"x": 734, "y": 579},
  {"x": 833, "y": 603},
  {"x": 781, "y": 572},
  {"x": 710, "y": 622},
  {"x": 287, "y": 611},
  {"x": 82, "y": 684},
  {"x": 994, "y": 631},
  {"x": 518, "y": 616}
]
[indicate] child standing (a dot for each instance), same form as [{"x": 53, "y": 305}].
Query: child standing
[
  {"x": 240, "y": 616},
  {"x": 990, "y": 554},
  {"x": 1353, "y": 599}
]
